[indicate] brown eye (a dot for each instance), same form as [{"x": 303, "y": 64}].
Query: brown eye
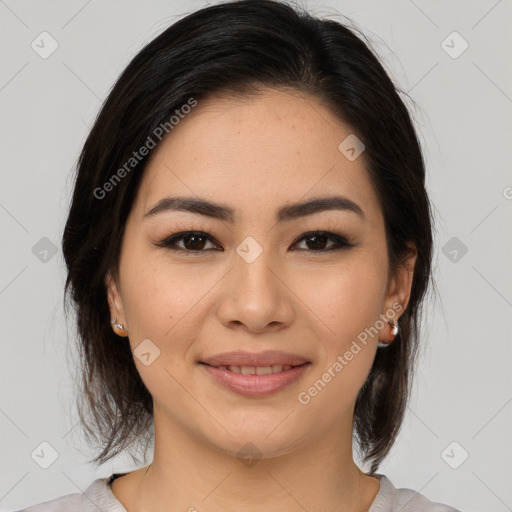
[
  {"x": 316, "y": 241},
  {"x": 193, "y": 241}
]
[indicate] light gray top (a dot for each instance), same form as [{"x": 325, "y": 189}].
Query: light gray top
[{"x": 98, "y": 497}]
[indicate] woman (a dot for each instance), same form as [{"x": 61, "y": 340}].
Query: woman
[{"x": 248, "y": 247}]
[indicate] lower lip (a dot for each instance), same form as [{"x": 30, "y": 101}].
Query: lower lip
[{"x": 256, "y": 386}]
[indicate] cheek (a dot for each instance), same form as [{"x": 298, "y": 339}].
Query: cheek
[
  {"x": 155, "y": 296},
  {"x": 145, "y": 300},
  {"x": 158, "y": 307},
  {"x": 345, "y": 302},
  {"x": 344, "y": 308},
  {"x": 165, "y": 304},
  {"x": 347, "y": 298}
]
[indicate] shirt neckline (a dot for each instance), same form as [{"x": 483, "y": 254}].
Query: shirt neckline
[{"x": 381, "y": 503}]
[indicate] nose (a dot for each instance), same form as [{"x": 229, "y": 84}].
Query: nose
[{"x": 256, "y": 297}]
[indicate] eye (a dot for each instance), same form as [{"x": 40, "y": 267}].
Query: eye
[
  {"x": 196, "y": 242},
  {"x": 316, "y": 241},
  {"x": 193, "y": 241}
]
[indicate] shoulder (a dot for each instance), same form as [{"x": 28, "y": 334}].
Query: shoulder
[
  {"x": 391, "y": 499},
  {"x": 96, "y": 498}
]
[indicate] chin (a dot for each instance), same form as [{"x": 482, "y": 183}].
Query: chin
[{"x": 263, "y": 438}]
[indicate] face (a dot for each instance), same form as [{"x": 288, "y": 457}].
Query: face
[{"x": 255, "y": 276}]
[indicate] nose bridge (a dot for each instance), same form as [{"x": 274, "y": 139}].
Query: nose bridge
[
  {"x": 255, "y": 268},
  {"x": 256, "y": 295}
]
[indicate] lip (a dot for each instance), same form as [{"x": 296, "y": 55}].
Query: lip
[
  {"x": 256, "y": 386},
  {"x": 267, "y": 358}
]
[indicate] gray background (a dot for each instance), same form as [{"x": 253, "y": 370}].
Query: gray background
[{"x": 462, "y": 391}]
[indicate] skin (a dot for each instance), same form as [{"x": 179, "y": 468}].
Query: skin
[{"x": 255, "y": 155}]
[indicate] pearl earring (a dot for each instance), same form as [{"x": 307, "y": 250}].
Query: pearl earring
[
  {"x": 394, "y": 330},
  {"x": 117, "y": 326}
]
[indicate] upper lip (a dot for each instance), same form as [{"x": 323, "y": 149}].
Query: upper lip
[{"x": 268, "y": 358}]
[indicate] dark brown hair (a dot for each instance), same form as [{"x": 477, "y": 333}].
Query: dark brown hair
[{"x": 238, "y": 47}]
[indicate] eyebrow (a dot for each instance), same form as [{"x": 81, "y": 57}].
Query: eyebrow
[{"x": 226, "y": 213}]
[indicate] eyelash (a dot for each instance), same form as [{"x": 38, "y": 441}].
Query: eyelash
[{"x": 170, "y": 242}]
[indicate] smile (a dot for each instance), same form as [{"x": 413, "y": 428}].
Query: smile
[{"x": 256, "y": 381}]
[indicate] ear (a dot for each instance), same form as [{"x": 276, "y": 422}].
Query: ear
[
  {"x": 115, "y": 304},
  {"x": 399, "y": 292}
]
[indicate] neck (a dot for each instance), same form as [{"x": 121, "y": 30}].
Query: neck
[{"x": 189, "y": 474}]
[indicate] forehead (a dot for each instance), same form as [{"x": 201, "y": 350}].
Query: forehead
[{"x": 252, "y": 151}]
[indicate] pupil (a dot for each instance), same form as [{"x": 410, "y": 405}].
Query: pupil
[
  {"x": 194, "y": 246},
  {"x": 316, "y": 245}
]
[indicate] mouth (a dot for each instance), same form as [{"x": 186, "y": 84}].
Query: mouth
[{"x": 256, "y": 380}]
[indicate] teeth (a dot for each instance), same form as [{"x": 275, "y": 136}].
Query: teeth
[
  {"x": 264, "y": 370},
  {"x": 256, "y": 370}
]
